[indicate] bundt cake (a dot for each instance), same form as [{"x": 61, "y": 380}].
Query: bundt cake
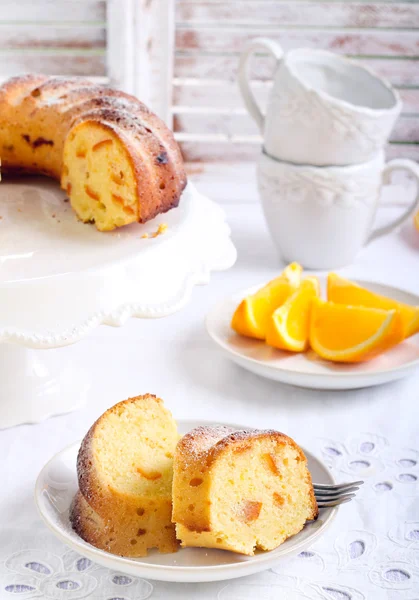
[
  {"x": 125, "y": 469},
  {"x": 240, "y": 490},
  {"x": 117, "y": 161}
]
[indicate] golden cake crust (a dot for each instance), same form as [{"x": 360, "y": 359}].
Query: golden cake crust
[
  {"x": 39, "y": 114},
  {"x": 125, "y": 537}
]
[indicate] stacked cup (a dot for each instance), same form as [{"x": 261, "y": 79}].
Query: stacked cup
[{"x": 322, "y": 165}]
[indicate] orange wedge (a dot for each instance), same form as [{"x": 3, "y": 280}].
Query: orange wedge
[
  {"x": 288, "y": 326},
  {"x": 344, "y": 333},
  {"x": 342, "y": 291},
  {"x": 252, "y": 314}
]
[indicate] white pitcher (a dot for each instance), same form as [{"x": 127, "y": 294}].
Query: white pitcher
[{"x": 324, "y": 109}]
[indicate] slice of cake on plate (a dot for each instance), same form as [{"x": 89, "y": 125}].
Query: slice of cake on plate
[
  {"x": 125, "y": 469},
  {"x": 240, "y": 490}
]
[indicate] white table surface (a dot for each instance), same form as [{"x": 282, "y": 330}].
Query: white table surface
[{"x": 371, "y": 550}]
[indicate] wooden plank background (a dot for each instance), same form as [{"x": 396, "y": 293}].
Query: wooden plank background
[
  {"x": 57, "y": 37},
  {"x": 125, "y": 43},
  {"x": 72, "y": 37},
  {"x": 210, "y": 119}
]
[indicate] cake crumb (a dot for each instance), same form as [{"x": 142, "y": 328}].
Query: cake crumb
[
  {"x": 162, "y": 228},
  {"x": 144, "y": 236}
]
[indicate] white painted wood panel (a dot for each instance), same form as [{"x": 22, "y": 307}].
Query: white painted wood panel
[
  {"x": 202, "y": 94},
  {"x": 45, "y": 11},
  {"x": 343, "y": 41},
  {"x": 201, "y": 150},
  {"x": 52, "y": 36},
  {"x": 154, "y": 37},
  {"x": 127, "y": 43},
  {"x": 338, "y": 14},
  {"x": 410, "y": 98},
  {"x": 120, "y": 44},
  {"x": 398, "y": 70},
  {"x": 68, "y": 62},
  {"x": 233, "y": 125},
  {"x": 57, "y": 37}
]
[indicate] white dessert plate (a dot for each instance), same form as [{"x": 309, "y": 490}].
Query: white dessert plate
[
  {"x": 308, "y": 370},
  {"x": 57, "y": 484}
]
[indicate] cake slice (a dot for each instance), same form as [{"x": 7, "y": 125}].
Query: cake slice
[
  {"x": 126, "y": 533},
  {"x": 125, "y": 469},
  {"x": 240, "y": 490}
]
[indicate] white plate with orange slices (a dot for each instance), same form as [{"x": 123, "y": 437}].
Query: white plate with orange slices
[{"x": 321, "y": 333}]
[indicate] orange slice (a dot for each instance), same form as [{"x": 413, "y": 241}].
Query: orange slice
[
  {"x": 416, "y": 220},
  {"x": 344, "y": 333},
  {"x": 342, "y": 291},
  {"x": 252, "y": 314},
  {"x": 288, "y": 327}
]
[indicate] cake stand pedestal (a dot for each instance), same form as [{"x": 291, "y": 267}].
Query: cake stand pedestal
[
  {"x": 60, "y": 279},
  {"x": 36, "y": 384}
]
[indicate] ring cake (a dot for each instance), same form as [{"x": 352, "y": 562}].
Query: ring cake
[{"x": 117, "y": 161}]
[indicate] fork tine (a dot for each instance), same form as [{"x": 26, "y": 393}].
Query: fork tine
[
  {"x": 342, "y": 500},
  {"x": 336, "y": 488},
  {"x": 333, "y": 498},
  {"x": 331, "y": 494},
  {"x": 323, "y": 486}
]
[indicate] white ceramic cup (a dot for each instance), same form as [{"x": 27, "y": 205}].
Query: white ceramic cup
[
  {"x": 322, "y": 216},
  {"x": 323, "y": 109}
]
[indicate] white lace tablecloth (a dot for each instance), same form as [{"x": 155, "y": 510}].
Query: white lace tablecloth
[{"x": 371, "y": 550}]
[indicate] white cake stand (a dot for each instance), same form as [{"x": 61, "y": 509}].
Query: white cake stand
[{"x": 60, "y": 279}]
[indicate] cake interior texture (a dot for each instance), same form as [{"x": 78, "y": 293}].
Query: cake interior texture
[
  {"x": 133, "y": 448},
  {"x": 125, "y": 470},
  {"x": 99, "y": 177},
  {"x": 240, "y": 491}
]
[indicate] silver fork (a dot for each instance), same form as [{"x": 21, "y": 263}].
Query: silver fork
[{"x": 334, "y": 495}]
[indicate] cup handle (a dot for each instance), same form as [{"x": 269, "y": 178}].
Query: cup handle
[
  {"x": 243, "y": 75},
  {"x": 413, "y": 169}
]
